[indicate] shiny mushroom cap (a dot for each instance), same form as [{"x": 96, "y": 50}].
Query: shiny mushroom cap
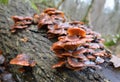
[
  {"x": 76, "y": 31},
  {"x": 49, "y": 9},
  {"x": 23, "y": 60},
  {"x": 17, "y": 18}
]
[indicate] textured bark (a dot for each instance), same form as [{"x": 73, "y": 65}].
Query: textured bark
[{"x": 38, "y": 47}]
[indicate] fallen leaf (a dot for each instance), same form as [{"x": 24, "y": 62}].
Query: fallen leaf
[{"x": 116, "y": 61}]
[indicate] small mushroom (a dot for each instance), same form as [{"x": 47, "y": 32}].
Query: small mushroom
[
  {"x": 81, "y": 57},
  {"x": 59, "y": 64},
  {"x": 23, "y": 60},
  {"x": 74, "y": 62},
  {"x": 57, "y": 12},
  {"x": 73, "y": 44},
  {"x": 49, "y": 9},
  {"x": 90, "y": 51},
  {"x": 19, "y": 27},
  {"x": 17, "y": 18},
  {"x": 20, "y": 18},
  {"x": 36, "y": 18},
  {"x": 76, "y": 31},
  {"x": 94, "y": 46},
  {"x": 64, "y": 25},
  {"x": 44, "y": 20},
  {"x": 57, "y": 46},
  {"x": 91, "y": 57},
  {"x": 74, "y": 68},
  {"x": 64, "y": 54},
  {"x": 80, "y": 51},
  {"x": 68, "y": 38},
  {"x": 100, "y": 53},
  {"x": 20, "y": 23},
  {"x": 57, "y": 29},
  {"x": 57, "y": 32},
  {"x": 28, "y": 18}
]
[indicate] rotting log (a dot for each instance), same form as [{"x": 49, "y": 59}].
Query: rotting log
[{"x": 38, "y": 47}]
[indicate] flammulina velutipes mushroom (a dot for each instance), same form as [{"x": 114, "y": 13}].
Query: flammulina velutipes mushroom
[
  {"x": 77, "y": 47},
  {"x": 23, "y": 60},
  {"x": 78, "y": 51}
]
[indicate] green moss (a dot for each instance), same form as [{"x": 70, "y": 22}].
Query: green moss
[
  {"x": 4, "y": 2},
  {"x": 85, "y": 21},
  {"x": 109, "y": 43},
  {"x": 48, "y": 3},
  {"x": 113, "y": 41},
  {"x": 34, "y": 7}
]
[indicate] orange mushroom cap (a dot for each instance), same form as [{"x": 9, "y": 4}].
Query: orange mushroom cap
[
  {"x": 73, "y": 44},
  {"x": 74, "y": 68},
  {"x": 68, "y": 38},
  {"x": 76, "y": 31},
  {"x": 91, "y": 57},
  {"x": 23, "y": 60},
  {"x": 81, "y": 57},
  {"x": 49, "y": 9},
  {"x": 79, "y": 51},
  {"x": 44, "y": 19},
  {"x": 56, "y": 46},
  {"x": 74, "y": 62},
  {"x": 17, "y": 18},
  {"x": 63, "y": 55},
  {"x": 59, "y": 64}
]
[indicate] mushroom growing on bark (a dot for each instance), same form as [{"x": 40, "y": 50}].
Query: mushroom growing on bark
[
  {"x": 77, "y": 47},
  {"x": 23, "y": 60},
  {"x": 21, "y": 22}
]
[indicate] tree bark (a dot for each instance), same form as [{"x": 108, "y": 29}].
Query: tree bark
[{"x": 38, "y": 47}]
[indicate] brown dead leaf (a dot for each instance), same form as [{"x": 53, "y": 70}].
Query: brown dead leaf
[
  {"x": 116, "y": 61},
  {"x": 25, "y": 39}
]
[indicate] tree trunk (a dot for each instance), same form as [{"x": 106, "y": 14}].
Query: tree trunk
[{"x": 38, "y": 47}]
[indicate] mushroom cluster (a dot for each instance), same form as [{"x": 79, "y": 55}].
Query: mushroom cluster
[
  {"x": 50, "y": 16},
  {"x": 80, "y": 48},
  {"x": 21, "y": 22},
  {"x": 51, "y": 19},
  {"x": 77, "y": 47}
]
